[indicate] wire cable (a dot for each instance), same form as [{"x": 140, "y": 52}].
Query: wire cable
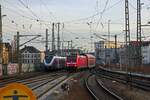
[
  {"x": 29, "y": 9},
  {"x": 50, "y": 13},
  {"x": 101, "y": 16},
  {"x": 96, "y": 14}
]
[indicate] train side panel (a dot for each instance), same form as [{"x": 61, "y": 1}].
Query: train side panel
[
  {"x": 58, "y": 63},
  {"x": 81, "y": 61},
  {"x": 54, "y": 63},
  {"x": 91, "y": 60}
]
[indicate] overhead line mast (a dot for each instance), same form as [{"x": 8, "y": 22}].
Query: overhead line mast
[
  {"x": 128, "y": 47},
  {"x": 46, "y": 45},
  {"x": 127, "y": 31},
  {"x": 53, "y": 37},
  {"x": 139, "y": 58},
  {"x": 58, "y": 38},
  {"x": 1, "y": 39}
]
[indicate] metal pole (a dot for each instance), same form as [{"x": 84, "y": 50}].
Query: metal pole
[
  {"x": 62, "y": 48},
  {"x": 108, "y": 42},
  {"x": 127, "y": 30},
  {"x": 46, "y": 45},
  {"x": 53, "y": 38},
  {"x": 105, "y": 54},
  {"x": 68, "y": 44},
  {"x": 116, "y": 49},
  {"x": 139, "y": 55},
  {"x": 1, "y": 40},
  {"x": 71, "y": 44},
  {"x": 58, "y": 38},
  {"x": 18, "y": 53},
  {"x": 109, "y": 33},
  {"x": 90, "y": 33},
  {"x": 91, "y": 42}
]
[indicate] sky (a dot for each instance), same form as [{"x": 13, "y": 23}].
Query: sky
[{"x": 81, "y": 18}]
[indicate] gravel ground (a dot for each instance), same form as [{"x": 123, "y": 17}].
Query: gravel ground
[
  {"x": 77, "y": 89},
  {"x": 125, "y": 91}
]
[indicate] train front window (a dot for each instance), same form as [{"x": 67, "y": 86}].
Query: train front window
[{"x": 48, "y": 58}]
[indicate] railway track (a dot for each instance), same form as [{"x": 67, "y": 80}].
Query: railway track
[
  {"x": 21, "y": 76},
  {"x": 98, "y": 91},
  {"x": 25, "y": 76},
  {"x": 43, "y": 85},
  {"x": 135, "y": 81},
  {"x": 9, "y": 80},
  {"x": 49, "y": 87},
  {"x": 28, "y": 79}
]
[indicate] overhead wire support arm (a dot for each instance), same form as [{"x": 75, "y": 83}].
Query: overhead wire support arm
[
  {"x": 100, "y": 37},
  {"x": 36, "y": 36},
  {"x": 28, "y": 35},
  {"x": 145, "y": 25}
]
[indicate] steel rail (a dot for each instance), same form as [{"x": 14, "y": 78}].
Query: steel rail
[
  {"x": 60, "y": 81},
  {"x": 86, "y": 83},
  {"x": 112, "y": 93},
  {"x": 134, "y": 81},
  {"x": 115, "y": 96},
  {"x": 26, "y": 80}
]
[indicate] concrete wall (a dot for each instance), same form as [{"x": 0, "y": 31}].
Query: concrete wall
[
  {"x": 12, "y": 68},
  {"x": 28, "y": 68}
]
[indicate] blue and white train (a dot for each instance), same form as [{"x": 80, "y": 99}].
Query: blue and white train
[{"x": 54, "y": 62}]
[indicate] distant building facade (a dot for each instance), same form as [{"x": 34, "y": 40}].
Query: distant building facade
[
  {"x": 6, "y": 53},
  {"x": 30, "y": 55},
  {"x": 100, "y": 50},
  {"x": 145, "y": 53},
  {"x": 107, "y": 55}
]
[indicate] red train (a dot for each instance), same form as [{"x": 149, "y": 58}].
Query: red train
[{"x": 80, "y": 61}]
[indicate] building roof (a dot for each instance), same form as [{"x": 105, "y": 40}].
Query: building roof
[
  {"x": 30, "y": 49},
  {"x": 143, "y": 43},
  {"x": 7, "y": 45}
]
